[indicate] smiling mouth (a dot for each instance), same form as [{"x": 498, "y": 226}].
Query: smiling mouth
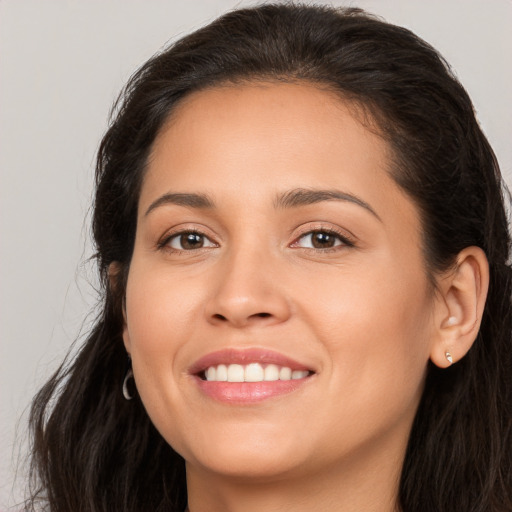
[
  {"x": 252, "y": 372},
  {"x": 248, "y": 376}
]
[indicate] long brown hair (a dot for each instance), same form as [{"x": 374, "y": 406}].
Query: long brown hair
[{"x": 94, "y": 451}]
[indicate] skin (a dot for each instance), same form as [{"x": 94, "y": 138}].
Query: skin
[{"x": 362, "y": 315}]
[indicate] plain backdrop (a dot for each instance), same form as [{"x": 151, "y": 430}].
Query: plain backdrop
[{"x": 62, "y": 63}]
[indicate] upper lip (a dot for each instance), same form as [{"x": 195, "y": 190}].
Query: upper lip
[{"x": 245, "y": 356}]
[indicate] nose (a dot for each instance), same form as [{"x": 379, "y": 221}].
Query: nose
[{"x": 247, "y": 291}]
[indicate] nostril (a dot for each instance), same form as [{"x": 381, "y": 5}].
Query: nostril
[
  {"x": 240, "y": 319},
  {"x": 218, "y": 316}
]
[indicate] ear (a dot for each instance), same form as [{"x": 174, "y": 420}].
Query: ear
[
  {"x": 459, "y": 313},
  {"x": 115, "y": 272}
]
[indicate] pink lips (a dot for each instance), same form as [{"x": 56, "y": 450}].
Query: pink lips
[{"x": 246, "y": 392}]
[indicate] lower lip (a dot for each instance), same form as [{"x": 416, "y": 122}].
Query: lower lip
[{"x": 249, "y": 392}]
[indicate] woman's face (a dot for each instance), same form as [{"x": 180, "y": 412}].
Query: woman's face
[{"x": 273, "y": 244}]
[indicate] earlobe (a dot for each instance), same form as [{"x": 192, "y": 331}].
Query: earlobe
[{"x": 462, "y": 298}]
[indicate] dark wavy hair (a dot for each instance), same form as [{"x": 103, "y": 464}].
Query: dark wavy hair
[{"x": 94, "y": 451}]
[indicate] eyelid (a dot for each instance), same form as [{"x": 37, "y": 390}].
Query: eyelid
[
  {"x": 163, "y": 241},
  {"x": 347, "y": 239},
  {"x": 207, "y": 243}
]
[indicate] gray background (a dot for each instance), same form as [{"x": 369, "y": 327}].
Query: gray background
[{"x": 61, "y": 65}]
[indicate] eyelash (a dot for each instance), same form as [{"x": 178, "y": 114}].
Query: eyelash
[
  {"x": 343, "y": 238},
  {"x": 164, "y": 244}
]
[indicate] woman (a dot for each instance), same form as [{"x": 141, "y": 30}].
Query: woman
[{"x": 303, "y": 242}]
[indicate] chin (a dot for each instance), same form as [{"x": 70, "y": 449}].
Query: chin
[
  {"x": 243, "y": 453},
  {"x": 259, "y": 467}
]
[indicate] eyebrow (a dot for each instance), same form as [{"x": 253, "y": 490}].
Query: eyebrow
[
  {"x": 304, "y": 197},
  {"x": 290, "y": 199},
  {"x": 201, "y": 201}
]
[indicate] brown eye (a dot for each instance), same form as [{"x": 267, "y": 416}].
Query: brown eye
[
  {"x": 191, "y": 241},
  {"x": 321, "y": 240},
  {"x": 188, "y": 241}
]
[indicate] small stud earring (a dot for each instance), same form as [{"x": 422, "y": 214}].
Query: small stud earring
[
  {"x": 449, "y": 357},
  {"x": 451, "y": 321}
]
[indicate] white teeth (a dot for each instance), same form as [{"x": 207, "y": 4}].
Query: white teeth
[
  {"x": 271, "y": 372},
  {"x": 222, "y": 373},
  {"x": 211, "y": 373},
  {"x": 253, "y": 372},
  {"x": 235, "y": 373},
  {"x": 285, "y": 373}
]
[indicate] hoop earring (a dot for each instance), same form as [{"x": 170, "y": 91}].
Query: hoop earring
[{"x": 126, "y": 392}]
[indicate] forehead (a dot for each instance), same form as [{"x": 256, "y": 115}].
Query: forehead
[
  {"x": 270, "y": 112},
  {"x": 260, "y": 139}
]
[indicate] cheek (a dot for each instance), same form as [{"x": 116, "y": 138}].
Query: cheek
[
  {"x": 375, "y": 331},
  {"x": 375, "y": 327},
  {"x": 368, "y": 300},
  {"x": 161, "y": 317},
  {"x": 159, "y": 307}
]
